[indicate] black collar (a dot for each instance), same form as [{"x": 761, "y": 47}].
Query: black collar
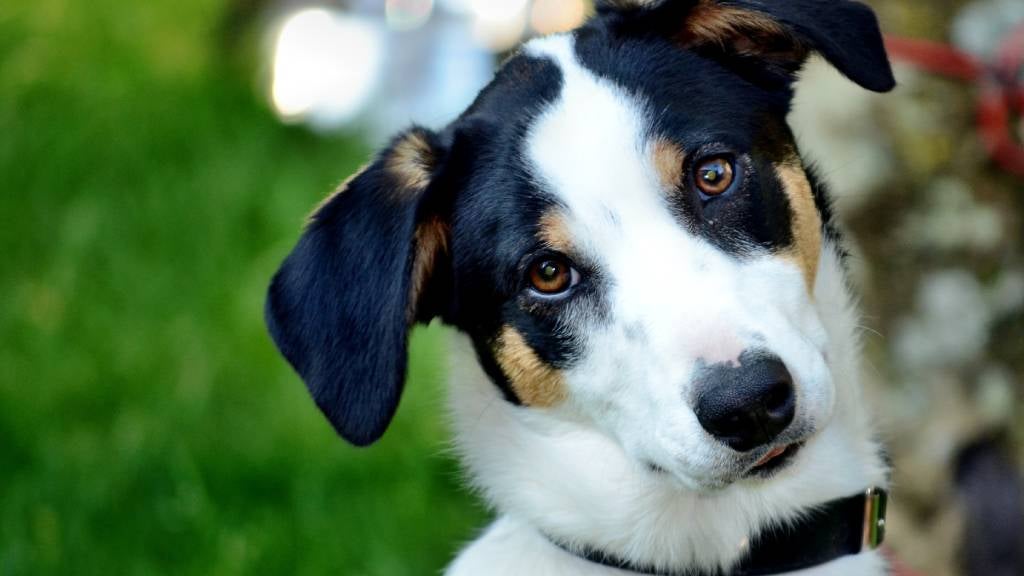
[{"x": 839, "y": 528}]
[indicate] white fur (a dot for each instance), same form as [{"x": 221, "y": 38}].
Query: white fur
[{"x": 579, "y": 472}]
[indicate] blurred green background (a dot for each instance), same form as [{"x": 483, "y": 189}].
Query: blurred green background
[{"x": 147, "y": 425}]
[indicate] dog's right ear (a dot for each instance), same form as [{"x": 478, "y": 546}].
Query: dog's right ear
[
  {"x": 341, "y": 306},
  {"x": 777, "y": 34}
]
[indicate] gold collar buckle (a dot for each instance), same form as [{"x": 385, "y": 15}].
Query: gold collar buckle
[{"x": 876, "y": 500}]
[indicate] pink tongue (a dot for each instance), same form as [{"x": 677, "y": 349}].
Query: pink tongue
[{"x": 771, "y": 456}]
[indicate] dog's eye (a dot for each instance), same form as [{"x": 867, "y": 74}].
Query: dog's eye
[
  {"x": 714, "y": 176},
  {"x": 552, "y": 276}
]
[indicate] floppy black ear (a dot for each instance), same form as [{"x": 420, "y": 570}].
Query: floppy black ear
[
  {"x": 341, "y": 306},
  {"x": 780, "y": 32}
]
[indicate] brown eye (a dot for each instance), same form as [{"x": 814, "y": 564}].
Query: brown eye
[
  {"x": 551, "y": 276},
  {"x": 715, "y": 176}
]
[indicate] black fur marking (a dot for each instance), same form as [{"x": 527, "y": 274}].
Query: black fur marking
[
  {"x": 497, "y": 213},
  {"x": 485, "y": 355}
]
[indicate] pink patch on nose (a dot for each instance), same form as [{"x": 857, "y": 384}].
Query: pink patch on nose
[{"x": 715, "y": 347}]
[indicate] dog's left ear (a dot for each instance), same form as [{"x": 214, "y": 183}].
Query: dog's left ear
[
  {"x": 780, "y": 34},
  {"x": 368, "y": 266}
]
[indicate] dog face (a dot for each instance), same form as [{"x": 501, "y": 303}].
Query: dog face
[{"x": 622, "y": 225}]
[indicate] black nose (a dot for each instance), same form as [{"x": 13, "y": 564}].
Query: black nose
[{"x": 749, "y": 405}]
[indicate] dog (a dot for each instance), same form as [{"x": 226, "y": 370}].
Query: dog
[{"x": 659, "y": 345}]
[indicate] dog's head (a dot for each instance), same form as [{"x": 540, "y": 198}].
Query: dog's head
[{"x": 621, "y": 223}]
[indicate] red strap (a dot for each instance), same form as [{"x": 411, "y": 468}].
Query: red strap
[
  {"x": 935, "y": 58},
  {"x": 1000, "y": 93}
]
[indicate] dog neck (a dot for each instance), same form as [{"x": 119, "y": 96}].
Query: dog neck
[
  {"x": 837, "y": 529},
  {"x": 573, "y": 483}
]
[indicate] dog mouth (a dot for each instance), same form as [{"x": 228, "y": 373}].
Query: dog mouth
[
  {"x": 774, "y": 461},
  {"x": 771, "y": 463}
]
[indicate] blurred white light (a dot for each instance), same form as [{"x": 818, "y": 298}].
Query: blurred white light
[
  {"x": 498, "y": 10},
  {"x": 326, "y": 66},
  {"x": 408, "y": 14},
  {"x": 553, "y": 16},
  {"x": 499, "y": 24}
]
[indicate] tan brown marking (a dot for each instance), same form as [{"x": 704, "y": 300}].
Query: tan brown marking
[
  {"x": 668, "y": 161},
  {"x": 806, "y": 224},
  {"x": 746, "y": 32},
  {"x": 535, "y": 383},
  {"x": 431, "y": 244},
  {"x": 553, "y": 230},
  {"x": 411, "y": 163}
]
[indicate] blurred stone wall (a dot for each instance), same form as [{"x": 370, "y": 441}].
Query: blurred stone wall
[{"x": 935, "y": 229}]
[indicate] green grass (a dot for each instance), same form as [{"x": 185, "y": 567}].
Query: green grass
[{"x": 147, "y": 425}]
